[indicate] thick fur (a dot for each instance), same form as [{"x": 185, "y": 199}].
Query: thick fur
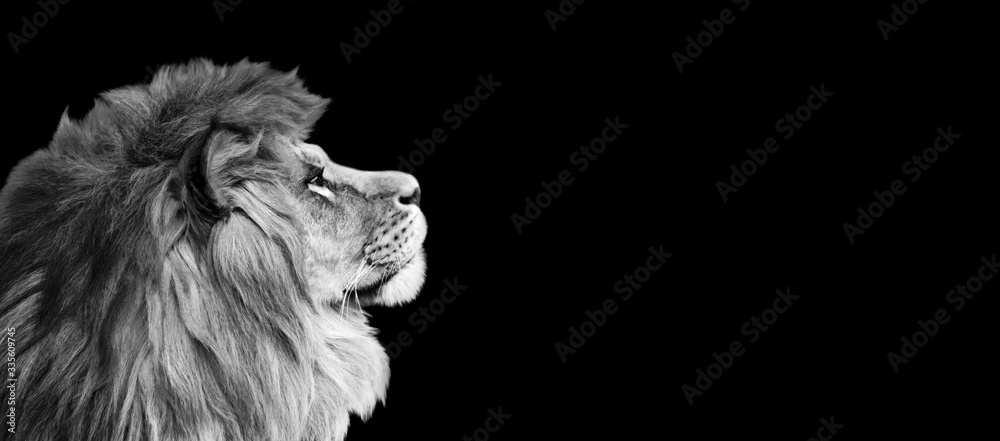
[{"x": 169, "y": 277}]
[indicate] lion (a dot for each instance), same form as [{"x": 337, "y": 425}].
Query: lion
[{"x": 181, "y": 264}]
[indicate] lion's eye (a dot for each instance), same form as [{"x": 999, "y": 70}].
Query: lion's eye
[{"x": 317, "y": 178}]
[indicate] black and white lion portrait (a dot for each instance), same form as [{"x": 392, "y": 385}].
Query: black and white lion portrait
[{"x": 182, "y": 264}]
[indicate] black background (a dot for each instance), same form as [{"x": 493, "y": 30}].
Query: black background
[{"x": 655, "y": 185}]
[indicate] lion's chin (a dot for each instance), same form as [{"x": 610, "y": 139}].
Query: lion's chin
[{"x": 401, "y": 288}]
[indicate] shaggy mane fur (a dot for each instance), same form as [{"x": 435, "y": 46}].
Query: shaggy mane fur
[{"x": 146, "y": 310}]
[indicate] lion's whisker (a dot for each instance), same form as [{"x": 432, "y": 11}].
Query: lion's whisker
[{"x": 352, "y": 286}]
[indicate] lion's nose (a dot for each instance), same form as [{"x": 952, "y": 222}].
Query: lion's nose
[
  {"x": 391, "y": 186},
  {"x": 404, "y": 188},
  {"x": 411, "y": 199}
]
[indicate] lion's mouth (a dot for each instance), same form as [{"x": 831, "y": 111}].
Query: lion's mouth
[
  {"x": 368, "y": 292},
  {"x": 385, "y": 284},
  {"x": 372, "y": 290}
]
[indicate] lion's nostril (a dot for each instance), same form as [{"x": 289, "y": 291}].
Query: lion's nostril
[{"x": 413, "y": 198}]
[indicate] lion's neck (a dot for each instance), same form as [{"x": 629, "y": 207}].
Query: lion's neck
[{"x": 352, "y": 372}]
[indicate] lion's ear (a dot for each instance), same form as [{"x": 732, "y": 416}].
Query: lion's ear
[
  {"x": 207, "y": 168},
  {"x": 197, "y": 196}
]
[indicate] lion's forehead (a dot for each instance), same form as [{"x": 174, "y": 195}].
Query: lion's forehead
[{"x": 311, "y": 153}]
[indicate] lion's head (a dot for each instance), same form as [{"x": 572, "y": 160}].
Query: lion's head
[
  {"x": 182, "y": 264},
  {"x": 364, "y": 231}
]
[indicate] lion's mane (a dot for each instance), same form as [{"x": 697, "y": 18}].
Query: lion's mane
[{"x": 144, "y": 308}]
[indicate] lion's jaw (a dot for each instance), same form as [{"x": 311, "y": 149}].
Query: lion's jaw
[
  {"x": 404, "y": 286},
  {"x": 386, "y": 284}
]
